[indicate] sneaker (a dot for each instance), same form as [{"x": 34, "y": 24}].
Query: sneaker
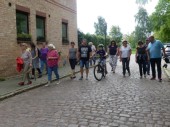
[
  {"x": 48, "y": 84},
  {"x": 160, "y": 80},
  {"x": 112, "y": 69},
  {"x": 29, "y": 83},
  {"x": 86, "y": 78},
  {"x": 58, "y": 82},
  {"x": 145, "y": 76},
  {"x": 81, "y": 78},
  {"x": 40, "y": 76},
  {"x": 21, "y": 83},
  {"x": 148, "y": 73},
  {"x": 129, "y": 73},
  {"x": 152, "y": 78}
]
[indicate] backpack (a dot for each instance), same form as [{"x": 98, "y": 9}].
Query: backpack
[{"x": 39, "y": 53}]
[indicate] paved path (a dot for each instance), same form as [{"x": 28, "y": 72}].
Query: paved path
[{"x": 112, "y": 102}]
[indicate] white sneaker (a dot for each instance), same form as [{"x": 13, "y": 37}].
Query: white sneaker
[
  {"x": 58, "y": 82},
  {"x": 48, "y": 84}
]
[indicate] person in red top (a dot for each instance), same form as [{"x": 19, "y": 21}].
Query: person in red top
[{"x": 52, "y": 63}]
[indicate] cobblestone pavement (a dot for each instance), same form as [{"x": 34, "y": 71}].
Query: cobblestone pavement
[{"x": 113, "y": 102}]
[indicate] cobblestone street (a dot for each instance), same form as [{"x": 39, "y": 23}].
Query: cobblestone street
[{"x": 113, "y": 102}]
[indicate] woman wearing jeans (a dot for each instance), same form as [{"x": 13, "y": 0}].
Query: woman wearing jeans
[
  {"x": 113, "y": 54},
  {"x": 52, "y": 62},
  {"x": 72, "y": 55},
  {"x": 141, "y": 58},
  {"x": 125, "y": 53}
]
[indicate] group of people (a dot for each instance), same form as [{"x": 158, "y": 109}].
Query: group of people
[
  {"x": 35, "y": 59},
  {"x": 149, "y": 53}
]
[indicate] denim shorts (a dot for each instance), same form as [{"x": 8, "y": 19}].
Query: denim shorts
[{"x": 84, "y": 63}]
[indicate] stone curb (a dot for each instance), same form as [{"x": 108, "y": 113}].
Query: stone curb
[
  {"x": 167, "y": 72},
  {"x": 19, "y": 91}
]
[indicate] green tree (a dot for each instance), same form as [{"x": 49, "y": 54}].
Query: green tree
[
  {"x": 161, "y": 21},
  {"x": 115, "y": 33},
  {"x": 143, "y": 28},
  {"x": 100, "y": 26}
]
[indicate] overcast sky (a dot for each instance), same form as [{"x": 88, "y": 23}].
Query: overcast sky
[{"x": 115, "y": 12}]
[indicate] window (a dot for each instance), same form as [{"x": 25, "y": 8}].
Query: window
[
  {"x": 22, "y": 22},
  {"x": 65, "y": 33},
  {"x": 40, "y": 25}
]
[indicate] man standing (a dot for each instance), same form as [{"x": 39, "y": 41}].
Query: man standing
[
  {"x": 84, "y": 54},
  {"x": 154, "y": 49}
]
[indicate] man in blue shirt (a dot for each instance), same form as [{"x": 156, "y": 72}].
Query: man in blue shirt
[{"x": 154, "y": 49}]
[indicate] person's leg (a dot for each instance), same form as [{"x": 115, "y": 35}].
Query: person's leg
[
  {"x": 81, "y": 69},
  {"x": 152, "y": 61},
  {"x": 87, "y": 69},
  {"x": 140, "y": 68},
  {"x": 71, "y": 65},
  {"x": 159, "y": 70},
  {"x": 49, "y": 74},
  {"x": 42, "y": 65},
  {"x": 127, "y": 66},
  {"x": 111, "y": 61},
  {"x": 114, "y": 63},
  {"x": 123, "y": 66},
  {"x": 55, "y": 69},
  {"x": 74, "y": 65},
  {"x": 144, "y": 68},
  {"x": 39, "y": 72}
]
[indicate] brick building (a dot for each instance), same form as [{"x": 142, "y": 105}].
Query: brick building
[{"x": 54, "y": 21}]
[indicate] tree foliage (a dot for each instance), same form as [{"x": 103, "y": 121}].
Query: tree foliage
[
  {"x": 100, "y": 26},
  {"x": 115, "y": 33},
  {"x": 161, "y": 21},
  {"x": 143, "y": 28}
]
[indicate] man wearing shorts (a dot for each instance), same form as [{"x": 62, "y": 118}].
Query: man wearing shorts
[{"x": 84, "y": 54}]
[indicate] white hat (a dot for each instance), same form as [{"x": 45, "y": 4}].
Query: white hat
[
  {"x": 51, "y": 46},
  {"x": 90, "y": 43}
]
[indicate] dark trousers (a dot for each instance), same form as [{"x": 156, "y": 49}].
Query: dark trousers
[
  {"x": 125, "y": 64},
  {"x": 142, "y": 67},
  {"x": 148, "y": 67},
  {"x": 38, "y": 69},
  {"x": 72, "y": 63},
  {"x": 156, "y": 61}
]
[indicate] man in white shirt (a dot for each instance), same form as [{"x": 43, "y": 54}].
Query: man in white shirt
[{"x": 93, "y": 48}]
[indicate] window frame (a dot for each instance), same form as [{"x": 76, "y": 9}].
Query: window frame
[
  {"x": 65, "y": 42},
  {"x": 27, "y": 15},
  {"x": 44, "y": 19}
]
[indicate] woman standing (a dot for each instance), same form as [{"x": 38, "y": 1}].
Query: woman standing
[
  {"x": 72, "y": 55},
  {"x": 35, "y": 60},
  {"x": 43, "y": 57},
  {"x": 52, "y": 63},
  {"x": 27, "y": 58},
  {"x": 125, "y": 53},
  {"x": 113, "y": 53},
  {"x": 141, "y": 58}
]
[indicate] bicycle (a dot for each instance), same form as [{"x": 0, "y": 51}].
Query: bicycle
[{"x": 100, "y": 70}]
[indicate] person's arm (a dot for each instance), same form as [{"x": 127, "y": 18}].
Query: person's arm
[
  {"x": 30, "y": 57},
  {"x": 136, "y": 55},
  {"x": 117, "y": 52},
  {"x": 130, "y": 52},
  {"x": 36, "y": 53},
  {"x": 120, "y": 54}
]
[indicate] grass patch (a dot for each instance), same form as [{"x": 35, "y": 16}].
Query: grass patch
[{"x": 2, "y": 79}]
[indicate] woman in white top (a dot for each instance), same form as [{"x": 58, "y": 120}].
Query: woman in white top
[{"x": 125, "y": 53}]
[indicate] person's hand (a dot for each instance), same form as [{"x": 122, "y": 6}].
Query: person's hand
[
  {"x": 120, "y": 59},
  {"x": 129, "y": 58}
]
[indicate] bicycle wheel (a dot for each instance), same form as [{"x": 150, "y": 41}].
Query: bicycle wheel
[{"x": 98, "y": 72}]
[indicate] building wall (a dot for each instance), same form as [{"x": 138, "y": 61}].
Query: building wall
[{"x": 55, "y": 12}]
